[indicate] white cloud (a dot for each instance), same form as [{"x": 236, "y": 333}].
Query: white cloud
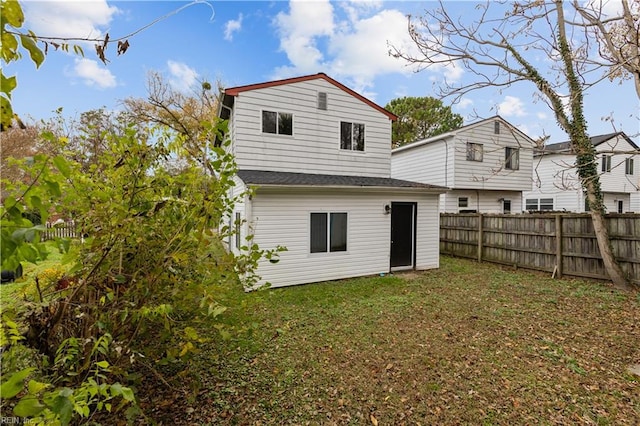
[
  {"x": 350, "y": 43},
  {"x": 67, "y": 18},
  {"x": 232, "y": 26},
  {"x": 93, "y": 74},
  {"x": 463, "y": 103},
  {"x": 511, "y": 107},
  {"x": 182, "y": 77},
  {"x": 299, "y": 30}
]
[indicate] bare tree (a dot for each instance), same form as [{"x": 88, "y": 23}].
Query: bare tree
[
  {"x": 617, "y": 32},
  {"x": 501, "y": 48},
  {"x": 184, "y": 113}
]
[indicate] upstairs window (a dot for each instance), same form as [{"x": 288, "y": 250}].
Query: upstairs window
[
  {"x": 496, "y": 127},
  {"x": 351, "y": 136},
  {"x": 328, "y": 232},
  {"x": 606, "y": 163},
  {"x": 628, "y": 166},
  {"x": 280, "y": 123},
  {"x": 474, "y": 151},
  {"x": 511, "y": 158},
  {"x": 322, "y": 100}
]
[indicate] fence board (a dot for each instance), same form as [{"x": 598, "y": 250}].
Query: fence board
[
  {"x": 560, "y": 242},
  {"x": 63, "y": 230}
]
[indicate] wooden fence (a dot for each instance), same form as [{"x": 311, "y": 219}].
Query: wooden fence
[
  {"x": 559, "y": 243},
  {"x": 62, "y": 230}
]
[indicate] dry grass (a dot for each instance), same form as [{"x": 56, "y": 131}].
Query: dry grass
[{"x": 466, "y": 344}]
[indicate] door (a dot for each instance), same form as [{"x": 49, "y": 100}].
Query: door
[{"x": 403, "y": 235}]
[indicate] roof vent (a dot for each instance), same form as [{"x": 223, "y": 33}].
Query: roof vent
[{"x": 322, "y": 100}]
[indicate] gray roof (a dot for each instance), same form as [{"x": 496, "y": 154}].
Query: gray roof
[
  {"x": 595, "y": 140},
  {"x": 261, "y": 177}
]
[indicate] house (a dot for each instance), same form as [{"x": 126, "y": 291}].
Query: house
[
  {"x": 487, "y": 166},
  {"x": 318, "y": 155},
  {"x": 557, "y": 187}
]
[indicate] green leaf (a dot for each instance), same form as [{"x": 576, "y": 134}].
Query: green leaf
[
  {"x": 28, "y": 406},
  {"x": 103, "y": 364},
  {"x": 6, "y": 112},
  {"x": 37, "y": 56},
  {"x": 8, "y": 84},
  {"x": 14, "y": 384},
  {"x": 28, "y": 253},
  {"x": 62, "y": 165},
  {"x": 12, "y": 13},
  {"x": 35, "y": 387},
  {"x": 63, "y": 407}
]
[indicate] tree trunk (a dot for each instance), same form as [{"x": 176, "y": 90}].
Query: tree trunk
[{"x": 616, "y": 275}]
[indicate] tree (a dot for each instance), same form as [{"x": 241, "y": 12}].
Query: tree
[
  {"x": 618, "y": 37},
  {"x": 184, "y": 113},
  {"x": 14, "y": 37},
  {"x": 500, "y": 49},
  {"x": 420, "y": 118}
]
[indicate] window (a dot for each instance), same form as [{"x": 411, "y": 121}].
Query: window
[
  {"x": 606, "y": 163},
  {"x": 511, "y": 158},
  {"x": 238, "y": 228},
  {"x": 351, "y": 136},
  {"x": 474, "y": 151},
  {"x": 620, "y": 206},
  {"x": 539, "y": 204},
  {"x": 506, "y": 206},
  {"x": 587, "y": 207},
  {"x": 322, "y": 100},
  {"x": 496, "y": 127},
  {"x": 463, "y": 202},
  {"x": 280, "y": 123},
  {"x": 628, "y": 166},
  {"x": 331, "y": 235}
]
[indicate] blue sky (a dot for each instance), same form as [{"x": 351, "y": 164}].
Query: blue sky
[{"x": 239, "y": 42}]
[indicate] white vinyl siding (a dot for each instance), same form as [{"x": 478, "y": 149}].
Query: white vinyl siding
[
  {"x": 480, "y": 201},
  {"x": 431, "y": 164},
  {"x": 282, "y": 217},
  {"x": 555, "y": 177},
  {"x": 315, "y": 144}
]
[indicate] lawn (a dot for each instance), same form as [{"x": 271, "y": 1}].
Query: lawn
[{"x": 466, "y": 344}]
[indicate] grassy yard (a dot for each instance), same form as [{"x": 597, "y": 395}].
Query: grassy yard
[{"x": 466, "y": 344}]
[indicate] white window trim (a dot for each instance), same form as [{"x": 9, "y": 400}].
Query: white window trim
[{"x": 353, "y": 151}]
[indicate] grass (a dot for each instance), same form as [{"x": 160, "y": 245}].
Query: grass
[
  {"x": 12, "y": 293},
  {"x": 466, "y": 344}
]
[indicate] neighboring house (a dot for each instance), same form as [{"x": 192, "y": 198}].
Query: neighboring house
[
  {"x": 318, "y": 155},
  {"x": 557, "y": 187},
  {"x": 487, "y": 165}
]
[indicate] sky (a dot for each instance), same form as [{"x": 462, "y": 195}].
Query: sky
[{"x": 246, "y": 42}]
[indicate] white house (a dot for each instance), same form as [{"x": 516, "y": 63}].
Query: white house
[
  {"x": 557, "y": 187},
  {"x": 318, "y": 155},
  {"x": 487, "y": 165}
]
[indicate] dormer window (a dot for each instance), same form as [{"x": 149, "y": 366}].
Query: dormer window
[
  {"x": 351, "y": 136},
  {"x": 322, "y": 100},
  {"x": 280, "y": 123}
]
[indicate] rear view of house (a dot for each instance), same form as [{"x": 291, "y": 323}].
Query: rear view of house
[
  {"x": 487, "y": 165},
  {"x": 556, "y": 185},
  {"x": 318, "y": 156}
]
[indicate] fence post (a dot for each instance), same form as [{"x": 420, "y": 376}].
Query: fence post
[
  {"x": 479, "y": 237},
  {"x": 559, "y": 245}
]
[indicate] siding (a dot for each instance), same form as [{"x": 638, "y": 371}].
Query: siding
[
  {"x": 490, "y": 173},
  {"x": 554, "y": 176},
  {"x": 281, "y": 217},
  {"x": 315, "y": 144},
  {"x": 431, "y": 164},
  {"x": 482, "y": 201}
]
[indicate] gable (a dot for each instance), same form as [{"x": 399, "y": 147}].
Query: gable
[{"x": 235, "y": 91}]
